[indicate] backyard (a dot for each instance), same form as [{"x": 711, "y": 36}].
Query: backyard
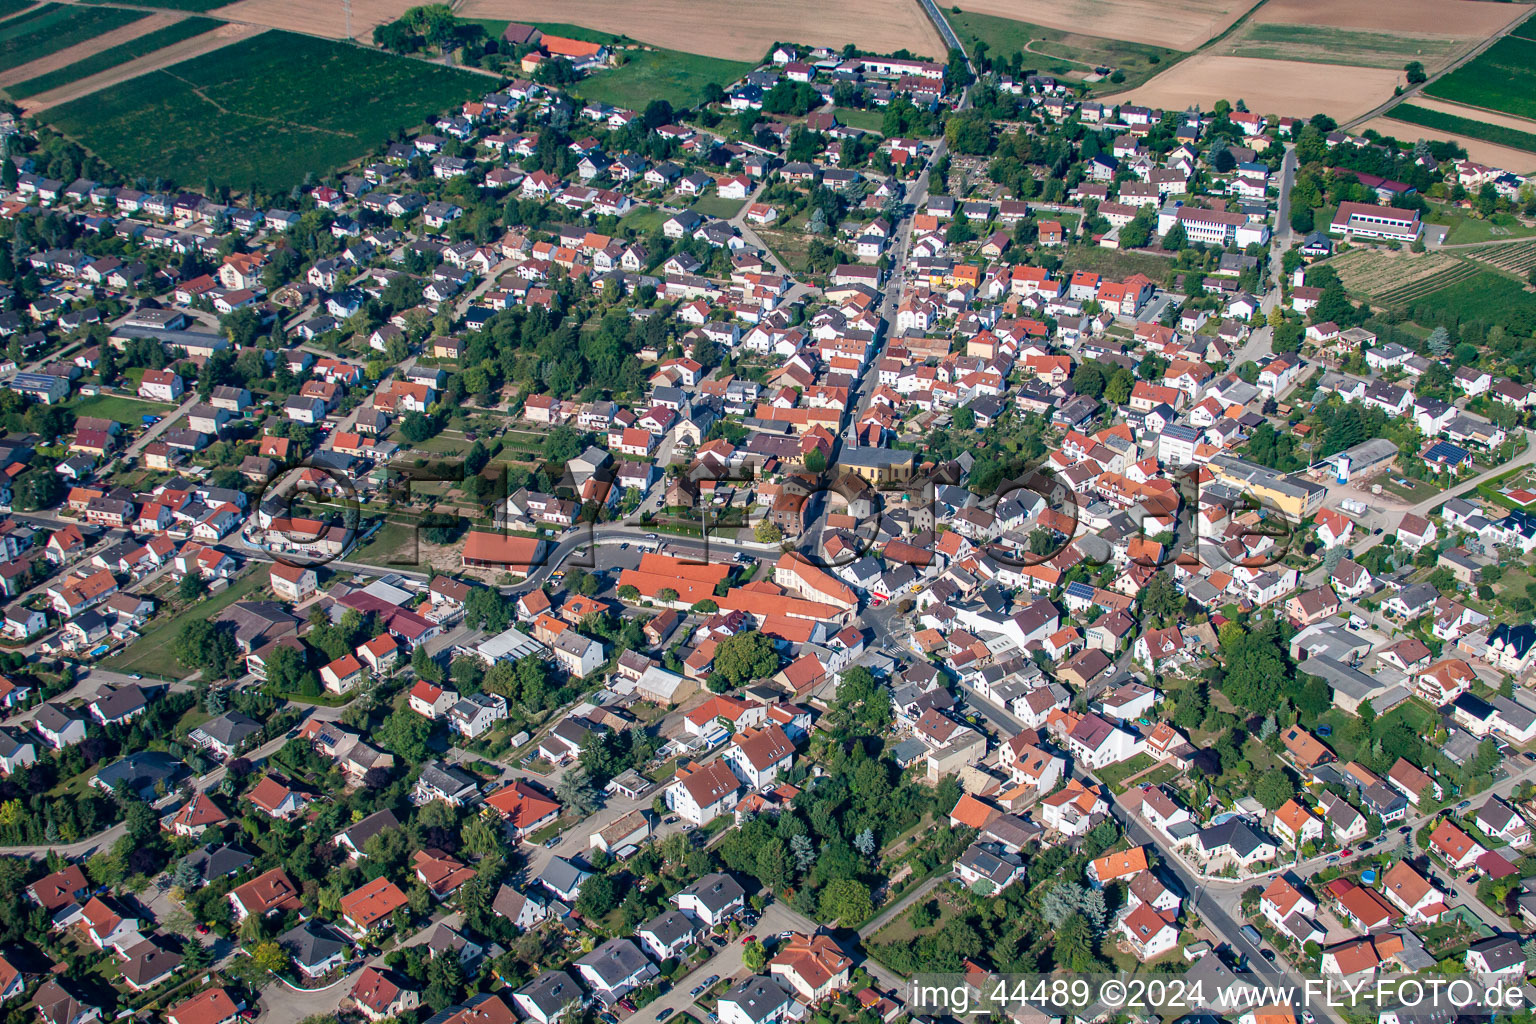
[{"x": 152, "y": 653}]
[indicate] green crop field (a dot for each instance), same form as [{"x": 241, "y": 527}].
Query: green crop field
[
  {"x": 1324, "y": 44},
  {"x": 1439, "y": 120},
  {"x": 1526, "y": 29},
  {"x": 266, "y": 110},
  {"x": 671, "y": 75},
  {"x": 1482, "y": 295},
  {"x": 1502, "y": 77},
  {"x": 195, "y": 6},
  {"x": 54, "y": 27},
  {"x": 10, "y": 7},
  {"x": 111, "y": 57},
  {"x": 1052, "y": 51}
]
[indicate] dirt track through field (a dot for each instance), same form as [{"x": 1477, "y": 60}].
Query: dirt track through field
[
  {"x": 735, "y": 29},
  {"x": 1177, "y": 24},
  {"x": 1516, "y": 160},
  {"x": 162, "y": 58},
  {"x": 1459, "y": 19},
  {"x": 1266, "y": 86},
  {"x": 70, "y": 54}
]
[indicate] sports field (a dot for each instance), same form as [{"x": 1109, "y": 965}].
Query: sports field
[
  {"x": 266, "y": 110},
  {"x": 54, "y": 27},
  {"x": 671, "y": 75},
  {"x": 1502, "y": 77},
  {"x": 142, "y": 46},
  {"x": 1053, "y": 51}
]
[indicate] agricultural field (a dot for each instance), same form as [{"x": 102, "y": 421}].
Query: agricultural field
[
  {"x": 671, "y": 75},
  {"x": 1177, "y": 25},
  {"x": 1055, "y": 52},
  {"x": 1373, "y": 272},
  {"x": 215, "y": 116},
  {"x": 1518, "y": 258},
  {"x": 103, "y": 60},
  {"x": 10, "y": 7},
  {"x": 1267, "y": 86},
  {"x": 1466, "y": 292},
  {"x": 731, "y": 29},
  {"x": 1472, "y": 20},
  {"x": 1502, "y": 77},
  {"x": 1326, "y": 44},
  {"x": 1440, "y": 121},
  {"x": 329, "y": 20},
  {"x": 54, "y": 27},
  {"x": 1516, "y": 160}
]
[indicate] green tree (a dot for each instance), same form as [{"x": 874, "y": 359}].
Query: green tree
[
  {"x": 845, "y": 900},
  {"x": 1274, "y": 788},
  {"x": 744, "y": 657}
]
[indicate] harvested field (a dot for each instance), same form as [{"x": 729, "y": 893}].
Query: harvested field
[
  {"x": 733, "y": 29},
  {"x": 215, "y": 116},
  {"x": 1267, "y": 86},
  {"x": 80, "y": 51},
  {"x": 1176, "y": 24},
  {"x": 63, "y": 87},
  {"x": 1372, "y": 272},
  {"x": 1515, "y": 160},
  {"x": 1323, "y": 44},
  {"x": 318, "y": 19},
  {"x": 54, "y": 27},
  {"x": 1461, "y": 19}
]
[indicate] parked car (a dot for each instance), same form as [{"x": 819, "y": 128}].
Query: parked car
[
  {"x": 711, "y": 980},
  {"x": 664, "y": 1014},
  {"x": 696, "y": 990}
]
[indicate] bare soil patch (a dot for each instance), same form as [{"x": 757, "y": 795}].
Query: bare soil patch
[
  {"x": 1461, "y": 19},
  {"x": 1516, "y": 160},
  {"x": 738, "y": 29},
  {"x": 162, "y": 58},
  {"x": 316, "y": 19},
  {"x": 70, "y": 54},
  {"x": 1177, "y": 24},
  {"x": 1267, "y": 86}
]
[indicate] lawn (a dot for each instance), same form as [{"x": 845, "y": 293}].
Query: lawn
[
  {"x": 215, "y": 117},
  {"x": 152, "y": 653},
  {"x": 1439, "y": 120},
  {"x": 53, "y": 27},
  {"x": 1502, "y": 77},
  {"x": 394, "y": 544},
  {"x": 1466, "y": 228},
  {"x": 1115, "y": 775},
  {"x": 1417, "y": 715},
  {"x": 868, "y": 120},
  {"x": 117, "y": 407},
  {"x": 111, "y": 57},
  {"x": 671, "y": 75},
  {"x": 1052, "y": 51},
  {"x": 714, "y": 206}
]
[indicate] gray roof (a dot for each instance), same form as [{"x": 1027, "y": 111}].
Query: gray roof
[
  {"x": 616, "y": 960},
  {"x": 231, "y": 728},
  {"x": 716, "y": 891},
  {"x": 369, "y": 827},
  {"x": 758, "y": 998},
  {"x": 218, "y": 861},
  {"x": 312, "y": 943},
  {"x": 560, "y": 875},
  {"x": 1500, "y": 951},
  {"x": 550, "y": 991},
  {"x": 670, "y": 926}
]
